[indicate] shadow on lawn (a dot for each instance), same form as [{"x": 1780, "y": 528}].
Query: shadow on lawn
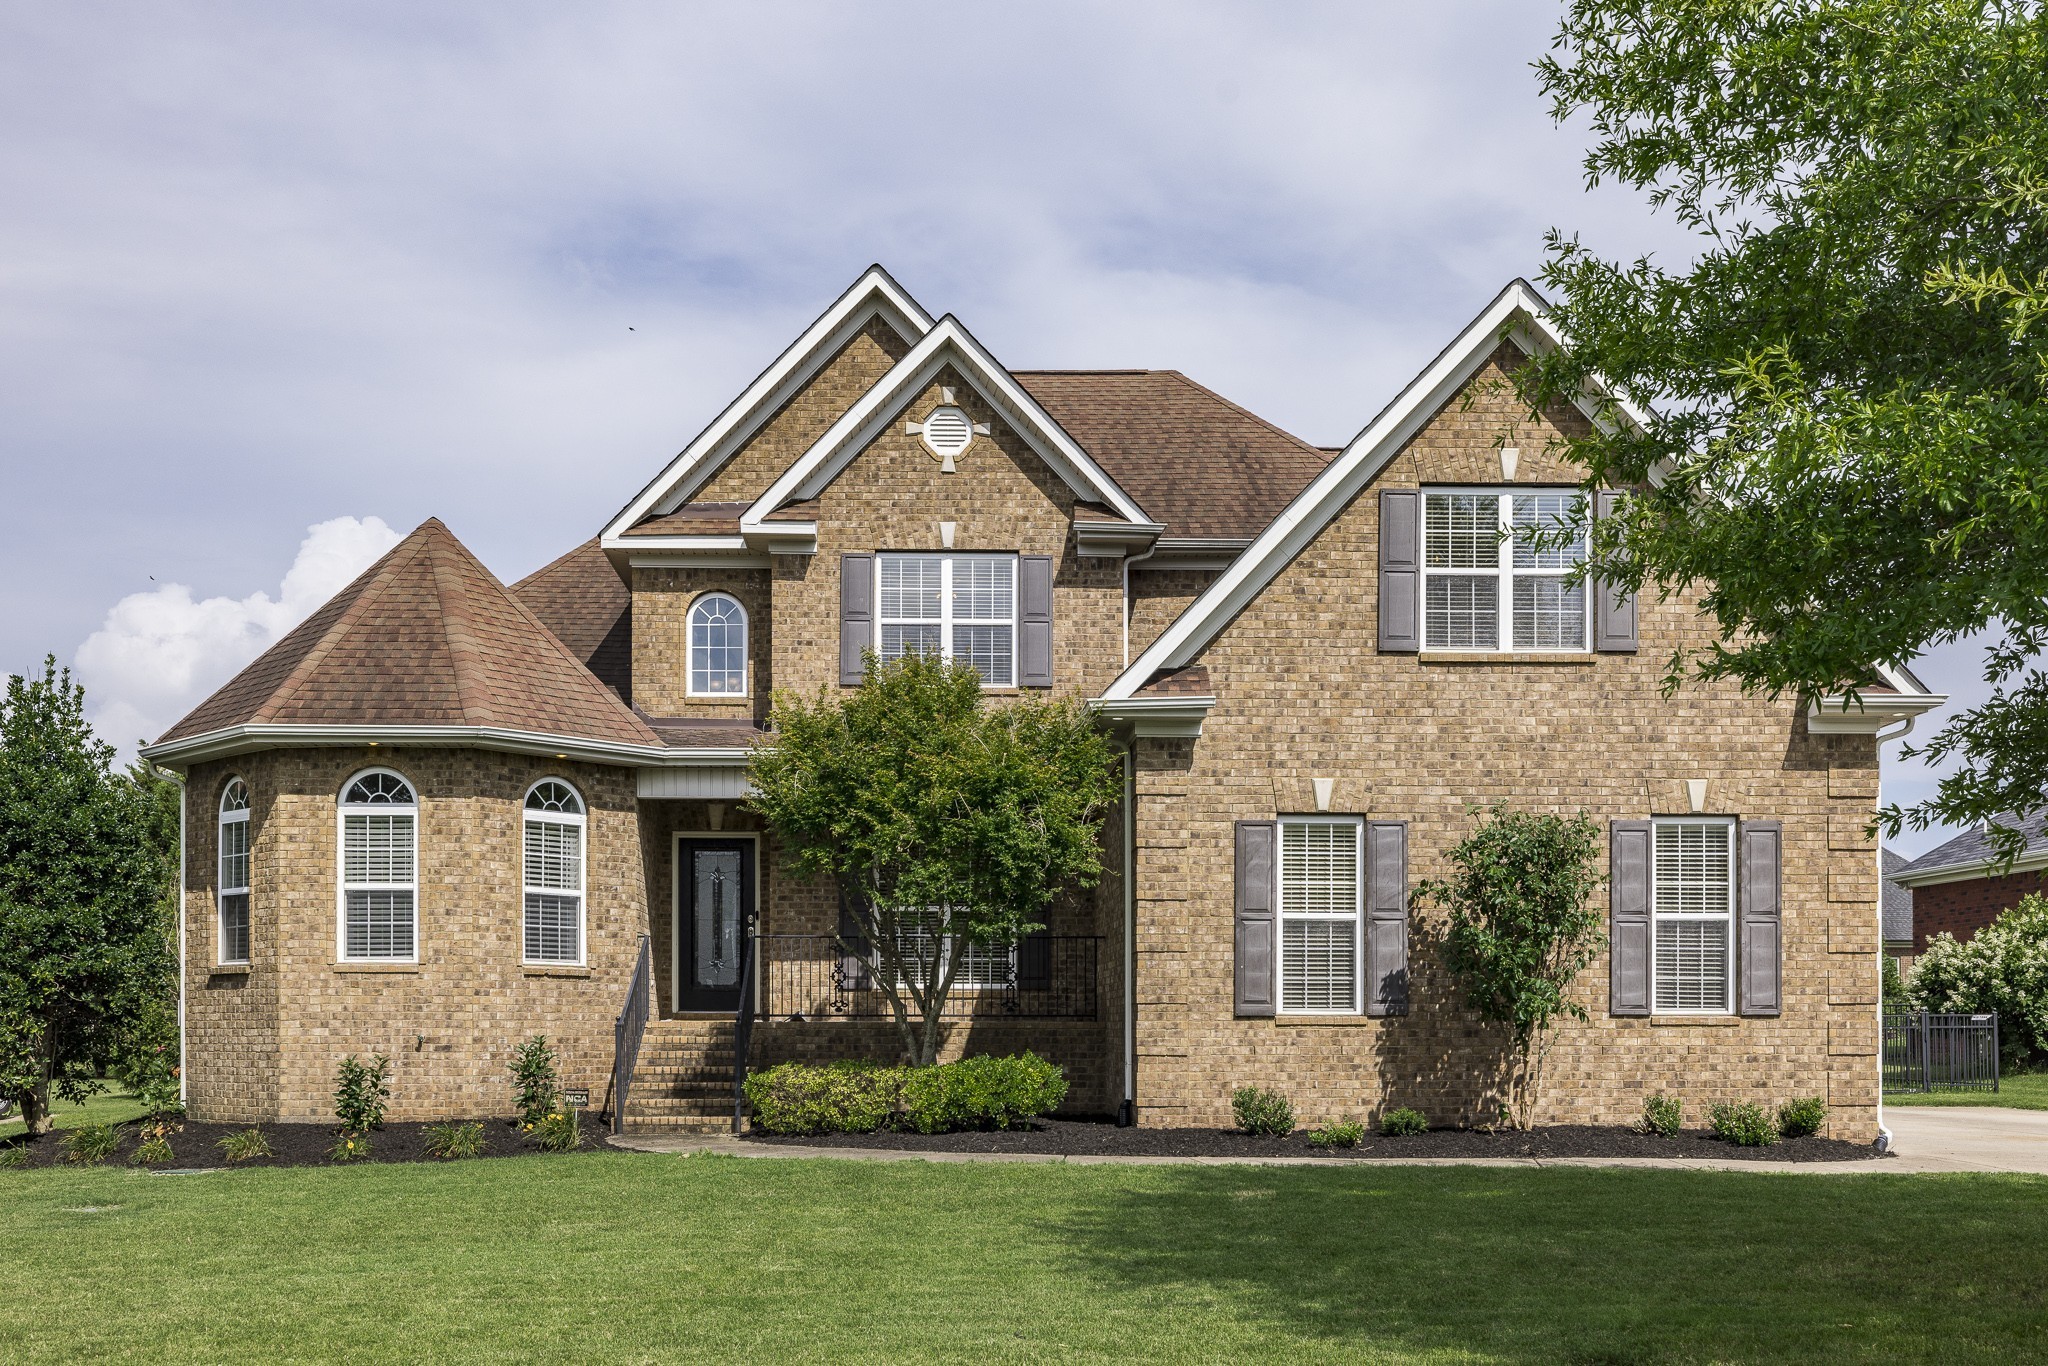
[{"x": 1583, "y": 1265}]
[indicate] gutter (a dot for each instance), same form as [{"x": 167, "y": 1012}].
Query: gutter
[
  {"x": 183, "y": 794},
  {"x": 1127, "y": 1113},
  {"x": 241, "y": 739}
]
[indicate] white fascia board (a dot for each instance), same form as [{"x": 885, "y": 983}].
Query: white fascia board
[
  {"x": 946, "y": 343},
  {"x": 1341, "y": 480},
  {"x": 1172, "y": 718},
  {"x": 782, "y": 538},
  {"x": 694, "y": 559},
  {"x": 2031, "y": 861},
  {"x": 1869, "y": 712},
  {"x": 875, "y": 292},
  {"x": 1107, "y": 540},
  {"x": 232, "y": 740}
]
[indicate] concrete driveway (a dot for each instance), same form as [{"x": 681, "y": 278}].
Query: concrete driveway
[{"x": 1971, "y": 1138}]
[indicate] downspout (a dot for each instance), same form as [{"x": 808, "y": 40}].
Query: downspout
[
  {"x": 183, "y": 793},
  {"x": 1884, "y": 1133},
  {"x": 1127, "y": 1113},
  {"x": 1130, "y": 560}
]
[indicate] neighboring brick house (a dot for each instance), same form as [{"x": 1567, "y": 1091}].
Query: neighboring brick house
[
  {"x": 1896, "y": 910},
  {"x": 443, "y": 815},
  {"x": 1960, "y": 887}
]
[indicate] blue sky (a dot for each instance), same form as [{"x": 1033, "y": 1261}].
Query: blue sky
[{"x": 283, "y": 281}]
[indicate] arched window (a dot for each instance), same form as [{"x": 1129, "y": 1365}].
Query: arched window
[
  {"x": 379, "y": 868},
  {"x": 553, "y": 876},
  {"x": 718, "y": 647},
  {"x": 233, "y": 891}
]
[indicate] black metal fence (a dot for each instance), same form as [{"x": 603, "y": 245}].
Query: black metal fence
[
  {"x": 627, "y": 1032},
  {"x": 1042, "y": 977},
  {"x": 1928, "y": 1052}
]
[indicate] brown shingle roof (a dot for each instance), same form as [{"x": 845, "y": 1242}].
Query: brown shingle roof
[
  {"x": 582, "y": 599},
  {"x": 1192, "y": 459},
  {"x": 694, "y": 519},
  {"x": 424, "y": 637}
]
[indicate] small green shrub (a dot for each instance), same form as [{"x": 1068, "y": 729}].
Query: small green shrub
[
  {"x": 88, "y": 1145},
  {"x": 245, "y": 1145},
  {"x": 1663, "y": 1115},
  {"x": 1261, "y": 1112},
  {"x": 558, "y": 1131},
  {"x": 349, "y": 1147},
  {"x": 979, "y": 1093},
  {"x": 360, "y": 1091},
  {"x": 535, "y": 1086},
  {"x": 1346, "y": 1134},
  {"x": 1401, "y": 1121},
  {"x": 1747, "y": 1125},
  {"x": 154, "y": 1150},
  {"x": 839, "y": 1098},
  {"x": 455, "y": 1140},
  {"x": 1803, "y": 1117}
]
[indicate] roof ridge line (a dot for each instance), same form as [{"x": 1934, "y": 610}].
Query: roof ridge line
[
  {"x": 1239, "y": 408},
  {"x": 555, "y": 563},
  {"x": 590, "y": 680},
  {"x": 465, "y": 652},
  {"x": 380, "y": 575}
]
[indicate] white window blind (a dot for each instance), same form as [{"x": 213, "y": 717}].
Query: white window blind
[
  {"x": 234, "y": 873},
  {"x": 1692, "y": 880},
  {"x": 718, "y": 647},
  {"x": 379, "y": 874},
  {"x": 553, "y": 876},
  {"x": 982, "y": 966},
  {"x": 1321, "y": 900},
  {"x": 960, "y": 607},
  {"x": 1486, "y": 582}
]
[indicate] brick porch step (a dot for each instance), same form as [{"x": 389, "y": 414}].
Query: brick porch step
[{"x": 682, "y": 1078}]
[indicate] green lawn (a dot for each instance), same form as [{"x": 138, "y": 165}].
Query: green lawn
[
  {"x": 635, "y": 1257},
  {"x": 112, "y": 1106},
  {"x": 2026, "y": 1092}
]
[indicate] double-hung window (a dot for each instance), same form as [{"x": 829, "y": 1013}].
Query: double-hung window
[
  {"x": 982, "y": 966},
  {"x": 1692, "y": 901},
  {"x": 234, "y": 873},
  {"x": 1321, "y": 902},
  {"x": 553, "y": 873},
  {"x": 379, "y": 868},
  {"x": 959, "y": 607},
  {"x": 1487, "y": 581}
]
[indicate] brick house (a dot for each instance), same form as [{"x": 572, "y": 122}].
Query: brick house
[
  {"x": 1960, "y": 887},
  {"x": 444, "y": 814}
]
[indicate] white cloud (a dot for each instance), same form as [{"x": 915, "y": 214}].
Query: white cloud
[{"x": 158, "y": 654}]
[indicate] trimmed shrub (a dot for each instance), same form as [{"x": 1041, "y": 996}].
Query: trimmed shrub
[
  {"x": 1747, "y": 1125},
  {"x": 1261, "y": 1112},
  {"x": 863, "y": 1097},
  {"x": 1402, "y": 1121},
  {"x": 245, "y": 1145},
  {"x": 838, "y": 1098},
  {"x": 88, "y": 1145},
  {"x": 1662, "y": 1115},
  {"x": 534, "y": 1082},
  {"x": 360, "y": 1091},
  {"x": 455, "y": 1140},
  {"x": 1345, "y": 1134},
  {"x": 1803, "y": 1117}
]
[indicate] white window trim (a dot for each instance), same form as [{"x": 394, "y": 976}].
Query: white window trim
[
  {"x": 1282, "y": 915},
  {"x": 947, "y": 559},
  {"x": 342, "y": 886},
  {"x": 1657, "y": 919},
  {"x": 690, "y": 648},
  {"x": 995, "y": 951},
  {"x": 1504, "y": 574},
  {"x": 580, "y": 820},
  {"x": 221, "y": 890}
]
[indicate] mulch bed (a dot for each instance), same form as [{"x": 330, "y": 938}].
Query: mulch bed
[
  {"x": 295, "y": 1145},
  {"x": 1085, "y": 1138}
]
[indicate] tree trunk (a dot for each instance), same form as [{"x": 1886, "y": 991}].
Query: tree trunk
[{"x": 35, "y": 1102}]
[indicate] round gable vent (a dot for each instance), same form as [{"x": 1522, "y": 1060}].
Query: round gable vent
[{"x": 947, "y": 431}]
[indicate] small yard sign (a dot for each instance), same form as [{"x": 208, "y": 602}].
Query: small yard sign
[{"x": 576, "y": 1097}]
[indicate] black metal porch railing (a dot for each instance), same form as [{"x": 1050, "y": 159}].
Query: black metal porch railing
[
  {"x": 1928, "y": 1052},
  {"x": 627, "y": 1032},
  {"x": 743, "y": 1025},
  {"x": 1042, "y": 977}
]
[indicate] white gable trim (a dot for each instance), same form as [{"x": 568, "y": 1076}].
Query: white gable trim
[
  {"x": 874, "y": 293},
  {"x": 947, "y": 343},
  {"x": 1518, "y": 313}
]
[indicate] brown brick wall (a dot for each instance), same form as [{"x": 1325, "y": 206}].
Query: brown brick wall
[
  {"x": 1305, "y": 693},
  {"x": 264, "y": 1046},
  {"x": 662, "y": 598},
  {"x": 1160, "y": 595},
  {"x": 1963, "y": 908}
]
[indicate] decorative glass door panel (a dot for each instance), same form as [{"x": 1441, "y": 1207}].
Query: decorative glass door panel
[{"x": 715, "y": 882}]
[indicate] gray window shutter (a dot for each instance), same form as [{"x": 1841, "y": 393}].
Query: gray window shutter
[
  {"x": 1386, "y": 917},
  {"x": 1759, "y": 870},
  {"x": 1034, "y": 621},
  {"x": 1614, "y": 613},
  {"x": 853, "y": 973},
  {"x": 1258, "y": 922},
  {"x": 1400, "y": 570},
  {"x": 856, "y": 615},
  {"x": 1628, "y": 916}
]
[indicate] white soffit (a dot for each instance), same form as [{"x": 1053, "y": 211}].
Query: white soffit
[
  {"x": 947, "y": 343},
  {"x": 875, "y": 292}
]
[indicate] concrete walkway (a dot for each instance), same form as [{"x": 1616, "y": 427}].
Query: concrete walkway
[{"x": 1924, "y": 1140}]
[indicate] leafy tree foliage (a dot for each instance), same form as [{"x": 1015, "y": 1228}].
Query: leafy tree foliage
[
  {"x": 2003, "y": 967},
  {"x": 1521, "y": 928},
  {"x": 84, "y": 862},
  {"x": 1846, "y": 449},
  {"x": 936, "y": 810}
]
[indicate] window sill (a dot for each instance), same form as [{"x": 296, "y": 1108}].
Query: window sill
[
  {"x": 1694, "y": 1021},
  {"x": 1580, "y": 658},
  {"x": 1326, "y": 1021},
  {"x": 553, "y": 970},
  {"x": 378, "y": 967},
  {"x": 228, "y": 970}
]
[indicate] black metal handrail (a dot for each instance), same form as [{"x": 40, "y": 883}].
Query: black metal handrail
[
  {"x": 743, "y": 1028},
  {"x": 1925, "y": 1051},
  {"x": 627, "y": 1032},
  {"x": 1042, "y": 977}
]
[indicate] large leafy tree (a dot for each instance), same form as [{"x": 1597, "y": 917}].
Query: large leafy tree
[
  {"x": 85, "y": 856},
  {"x": 946, "y": 819},
  {"x": 1846, "y": 449}
]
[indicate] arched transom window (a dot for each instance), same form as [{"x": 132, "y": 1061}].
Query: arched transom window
[
  {"x": 234, "y": 872},
  {"x": 379, "y": 868},
  {"x": 553, "y": 877},
  {"x": 718, "y": 647}
]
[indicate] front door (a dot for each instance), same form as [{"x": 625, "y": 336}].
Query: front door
[{"x": 714, "y": 896}]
